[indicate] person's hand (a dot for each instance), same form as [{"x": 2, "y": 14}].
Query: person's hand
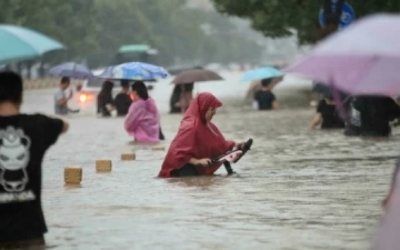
[
  {"x": 204, "y": 162},
  {"x": 239, "y": 144},
  {"x": 384, "y": 202},
  {"x": 110, "y": 107}
]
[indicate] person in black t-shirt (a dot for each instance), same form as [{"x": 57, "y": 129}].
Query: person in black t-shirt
[
  {"x": 326, "y": 115},
  {"x": 105, "y": 102},
  {"x": 174, "y": 100},
  {"x": 265, "y": 99},
  {"x": 122, "y": 101},
  {"x": 376, "y": 113},
  {"x": 24, "y": 139}
]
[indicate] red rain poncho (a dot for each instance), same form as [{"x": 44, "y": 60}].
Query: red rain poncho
[{"x": 196, "y": 138}]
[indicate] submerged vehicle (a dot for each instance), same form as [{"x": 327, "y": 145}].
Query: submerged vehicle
[
  {"x": 87, "y": 93},
  {"x": 136, "y": 53}
]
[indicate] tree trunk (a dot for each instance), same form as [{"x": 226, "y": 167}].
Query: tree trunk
[
  {"x": 29, "y": 69},
  {"x": 42, "y": 72}
]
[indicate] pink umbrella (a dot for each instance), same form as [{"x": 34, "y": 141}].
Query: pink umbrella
[
  {"x": 387, "y": 237},
  {"x": 362, "y": 59}
]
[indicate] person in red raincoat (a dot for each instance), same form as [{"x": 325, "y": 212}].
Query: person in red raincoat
[{"x": 197, "y": 141}]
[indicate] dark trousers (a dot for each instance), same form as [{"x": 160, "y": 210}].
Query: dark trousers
[
  {"x": 351, "y": 130},
  {"x": 188, "y": 170},
  {"x": 22, "y": 244},
  {"x": 162, "y": 138}
]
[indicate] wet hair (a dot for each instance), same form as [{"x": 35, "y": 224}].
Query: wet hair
[
  {"x": 65, "y": 79},
  {"x": 106, "y": 88},
  {"x": 124, "y": 84},
  {"x": 140, "y": 88},
  {"x": 188, "y": 87},
  {"x": 266, "y": 82},
  {"x": 11, "y": 87},
  {"x": 177, "y": 89},
  {"x": 328, "y": 96}
]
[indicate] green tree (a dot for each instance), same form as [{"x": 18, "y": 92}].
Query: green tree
[
  {"x": 281, "y": 18},
  {"x": 95, "y": 29},
  {"x": 69, "y": 22}
]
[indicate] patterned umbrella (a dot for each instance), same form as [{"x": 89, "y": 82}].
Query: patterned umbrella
[{"x": 134, "y": 71}]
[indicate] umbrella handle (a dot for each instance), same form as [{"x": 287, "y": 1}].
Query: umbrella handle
[{"x": 228, "y": 168}]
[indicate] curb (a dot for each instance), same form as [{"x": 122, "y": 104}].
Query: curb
[{"x": 41, "y": 83}]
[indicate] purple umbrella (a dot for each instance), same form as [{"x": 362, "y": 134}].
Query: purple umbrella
[
  {"x": 72, "y": 70},
  {"x": 363, "y": 59}
]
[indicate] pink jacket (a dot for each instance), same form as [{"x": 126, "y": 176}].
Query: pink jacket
[{"x": 143, "y": 121}]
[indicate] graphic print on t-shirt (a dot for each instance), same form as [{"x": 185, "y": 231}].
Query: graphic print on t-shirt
[{"x": 14, "y": 158}]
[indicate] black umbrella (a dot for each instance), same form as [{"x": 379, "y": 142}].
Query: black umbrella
[{"x": 196, "y": 75}]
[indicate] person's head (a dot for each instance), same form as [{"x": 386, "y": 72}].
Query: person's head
[
  {"x": 178, "y": 89},
  {"x": 204, "y": 106},
  {"x": 328, "y": 96},
  {"x": 107, "y": 87},
  {"x": 125, "y": 85},
  {"x": 11, "y": 88},
  {"x": 64, "y": 82},
  {"x": 266, "y": 82},
  {"x": 188, "y": 87},
  {"x": 139, "y": 91}
]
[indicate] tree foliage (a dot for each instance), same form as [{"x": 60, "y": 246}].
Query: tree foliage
[
  {"x": 95, "y": 29},
  {"x": 281, "y": 18}
]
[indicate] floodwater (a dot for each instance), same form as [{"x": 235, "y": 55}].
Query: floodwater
[{"x": 296, "y": 189}]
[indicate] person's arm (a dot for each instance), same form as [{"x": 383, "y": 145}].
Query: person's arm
[
  {"x": 274, "y": 102},
  {"x": 110, "y": 104},
  {"x": 50, "y": 128},
  {"x": 184, "y": 102},
  {"x": 132, "y": 118},
  {"x": 203, "y": 162},
  {"x": 316, "y": 121},
  {"x": 184, "y": 146},
  {"x": 235, "y": 144},
  {"x": 275, "y": 105},
  {"x": 255, "y": 96},
  {"x": 251, "y": 90},
  {"x": 110, "y": 107},
  {"x": 65, "y": 126},
  {"x": 62, "y": 101},
  {"x": 318, "y": 116}
]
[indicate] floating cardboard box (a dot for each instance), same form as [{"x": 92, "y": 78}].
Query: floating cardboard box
[
  {"x": 73, "y": 175},
  {"x": 103, "y": 165},
  {"x": 158, "y": 148},
  {"x": 128, "y": 156}
]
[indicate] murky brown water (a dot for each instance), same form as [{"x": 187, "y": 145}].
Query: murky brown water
[{"x": 297, "y": 189}]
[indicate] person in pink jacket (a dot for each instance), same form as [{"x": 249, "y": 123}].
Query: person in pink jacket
[{"x": 143, "y": 120}]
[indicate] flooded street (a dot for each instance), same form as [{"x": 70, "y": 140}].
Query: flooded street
[{"x": 296, "y": 189}]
